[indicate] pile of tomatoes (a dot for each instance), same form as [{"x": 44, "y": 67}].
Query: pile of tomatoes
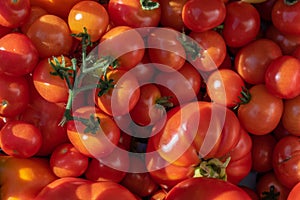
[{"x": 149, "y": 99}]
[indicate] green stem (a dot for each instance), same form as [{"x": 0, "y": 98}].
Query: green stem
[
  {"x": 290, "y": 2},
  {"x": 191, "y": 48},
  {"x": 149, "y": 5}
]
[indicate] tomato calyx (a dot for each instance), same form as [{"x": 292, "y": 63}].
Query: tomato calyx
[
  {"x": 271, "y": 194},
  {"x": 149, "y": 5},
  {"x": 290, "y": 2},
  {"x": 105, "y": 85},
  {"x": 191, "y": 48},
  {"x": 244, "y": 98},
  {"x": 92, "y": 123},
  {"x": 164, "y": 101}
]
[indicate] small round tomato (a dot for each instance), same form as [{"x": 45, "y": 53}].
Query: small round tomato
[
  {"x": 282, "y": 77},
  {"x": 20, "y": 139},
  {"x": 35, "y": 12},
  {"x": 18, "y": 54},
  {"x": 291, "y": 115},
  {"x": 51, "y": 36},
  {"x": 203, "y": 15},
  {"x": 90, "y": 15},
  {"x": 294, "y": 193},
  {"x": 67, "y": 161}
]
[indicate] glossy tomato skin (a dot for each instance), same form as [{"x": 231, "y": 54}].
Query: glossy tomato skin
[
  {"x": 291, "y": 114},
  {"x": 35, "y": 12},
  {"x": 241, "y": 24},
  {"x": 205, "y": 188},
  {"x": 200, "y": 16},
  {"x": 294, "y": 193},
  {"x": 286, "y": 160},
  {"x": 13, "y": 99},
  {"x": 282, "y": 77},
  {"x": 14, "y": 13}
]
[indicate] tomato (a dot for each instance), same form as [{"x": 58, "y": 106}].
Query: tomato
[
  {"x": 90, "y": 15},
  {"x": 166, "y": 51},
  {"x": 251, "y": 192},
  {"x": 51, "y": 87},
  {"x": 203, "y": 15},
  {"x": 35, "y": 12},
  {"x": 268, "y": 186},
  {"x": 291, "y": 114},
  {"x": 18, "y": 54},
  {"x": 262, "y": 152},
  {"x": 14, "y": 95},
  {"x": 171, "y": 14},
  {"x": 4, "y": 30},
  {"x": 261, "y": 106},
  {"x": 67, "y": 161},
  {"x": 294, "y": 193},
  {"x": 286, "y": 160},
  {"x": 92, "y": 132},
  {"x": 265, "y": 9},
  {"x": 282, "y": 77},
  {"x": 14, "y": 13},
  {"x": 241, "y": 24},
  {"x": 134, "y": 13},
  {"x": 252, "y": 60},
  {"x": 206, "y": 188},
  {"x": 51, "y": 36},
  {"x": 20, "y": 139},
  {"x": 23, "y": 178},
  {"x": 286, "y": 17},
  {"x": 224, "y": 86}
]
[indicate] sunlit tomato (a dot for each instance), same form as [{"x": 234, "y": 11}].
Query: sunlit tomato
[
  {"x": 51, "y": 36},
  {"x": 203, "y": 15},
  {"x": 18, "y": 55},
  {"x": 286, "y": 16},
  {"x": 67, "y": 161},
  {"x": 294, "y": 193},
  {"x": 282, "y": 77},
  {"x": 14, "y": 95},
  {"x": 268, "y": 186},
  {"x": 134, "y": 13},
  {"x": 262, "y": 152},
  {"x": 92, "y": 132},
  {"x": 209, "y": 188},
  {"x": 90, "y": 15},
  {"x": 291, "y": 115},
  {"x": 14, "y": 13},
  {"x": 241, "y": 24},
  {"x": 35, "y": 12},
  {"x": 260, "y": 106},
  {"x": 253, "y": 59},
  {"x": 20, "y": 139},
  {"x": 224, "y": 86},
  {"x": 286, "y": 160}
]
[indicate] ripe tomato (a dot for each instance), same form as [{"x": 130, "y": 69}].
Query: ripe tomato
[
  {"x": 20, "y": 139},
  {"x": 262, "y": 106},
  {"x": 291, "y": 115},
  {"x": 14, "y": 95},
  {"x": 282, "y": 77},
  {"x": 224, "y": 86},
  {"x": 286, "y": 160},
  {"x": 241, "y": 24},
  {"x": 18, "y": 55},
  {"x": 206, "y": 188},
  {"x": 134, "y": 13},
  {"x": 203, "y": 15},
  {"x": 35, "y": 12},
  {"x": 90, "y": 15},
  {"x": 14, "y": 13},
  {"x": 286, "y": 16},
  {"x": 51, "y": 36},
  {"x": 252, "y": 60},
  {"x": 67, "y": 161},
  {"x": 92, "y": 132},
  {"x": 294, "y": 193}
]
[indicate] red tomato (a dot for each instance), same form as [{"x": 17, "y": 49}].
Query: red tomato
[
  {"x": 51, "y": 36},
  {"x": 261, "y": 106},
  {"x": 90, "y": 15},
  {"x": 67, "y": 161},
  {"x": 4, "y": 30},
  {"x": 294, "y": 193},
  {"x": 224, "y": 86},
  {"x": 18, "y": 54},
  {"x": 291, "y": 116},
  {"x": 252, "y": 60},
  {"x": 14, "y": 13},
  {"x": 282, "y": 77},
  {"x": 286, "y": 160},
  {"x": 203, "y": 15},
  {"x": 207, "y": 188},
  {"x": 14, "y": 95},
  {"x": 241, "y": 24},
  {"x": 35, "y": 12},
  {"x": 20, "y": 139},
  {"x": 286, "y": 16}
]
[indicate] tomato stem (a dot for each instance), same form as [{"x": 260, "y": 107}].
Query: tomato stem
[
  {"x": 164, "y": 101},
  {"x": 271, "y": 194},
  {"x": 244, "y": 98},
  {"x": 290, "y": 2},
  {"x": 191, "y": 47},
  {"x": 105, "y": 85},
  {"x": 149, "y": 4},
  {"x": 92, "y": 123}
]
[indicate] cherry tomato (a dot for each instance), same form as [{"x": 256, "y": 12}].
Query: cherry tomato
[
  {"x": 294, "y": 193},
  {"x": 291, "y": 114},
  {"x": 35, "y": 12},
  {"x": 203, "y": 15},
  {"x": 18, "y": 54}
]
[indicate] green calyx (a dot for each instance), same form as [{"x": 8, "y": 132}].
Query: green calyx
[{"x": 149, "y": 5}]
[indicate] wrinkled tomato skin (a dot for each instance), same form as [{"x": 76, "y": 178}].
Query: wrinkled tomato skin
[{"x": 291, "y": 116}]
